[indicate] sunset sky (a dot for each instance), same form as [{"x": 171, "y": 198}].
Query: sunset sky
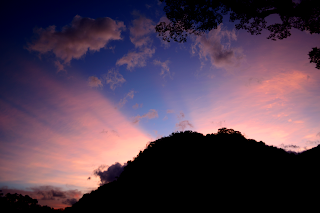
[{"x": 90, "y": 83}]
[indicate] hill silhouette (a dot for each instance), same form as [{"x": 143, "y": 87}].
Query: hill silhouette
[{"x": 188, "y": 171}]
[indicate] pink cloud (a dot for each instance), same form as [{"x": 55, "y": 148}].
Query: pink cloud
[
  {"x": 182, "y": 125},
  {"x": 124, "y": 100},
  {"x": 74, "y": 41},
  {"x": 151, "y": 114},
  {"x": 141, "y": 27},
  {"x": 136, "y": 59},
  {"x": 136, "y": 106},
  {"x": 165, "y": 70},
  {"x": 94, "y": 82},
  {"x": 210, "y": 45},
  {"x": 114, "y": 78}
]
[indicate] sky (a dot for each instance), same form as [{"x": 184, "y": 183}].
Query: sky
[{"x": 88, "y": 84}]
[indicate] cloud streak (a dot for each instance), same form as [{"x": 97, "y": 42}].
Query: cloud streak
[
  {"x": 136, "y": 59},
  {"x": 124, "y": 100},
  {"x": 151, "y": 114}
]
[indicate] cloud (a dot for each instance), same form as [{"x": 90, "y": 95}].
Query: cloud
[
  {"x": 136, "y": 59},
  {"x": 165, "y": 118},
  {"x": 151, "y": 114},
  {"x": 110, "y": 174},
  {"x": 124, "y": 100},
  {"x": 210, "y": 45},
  {"x": 313, "y": 142},
  {"x": 141, "y": 27},
  {"x": 114, "y": 78},
  {"x": 70, "y": 201},
  {"x": 73, "y": 41},
  {"x": 182, "y": 125},
  {"x": 170, "y": 111},
  {"x": 94, "y": 82},
  {"x": 165, "y": 44},
  {"x": 292, "y": 146},
  {"x": 181, "y": 115},
  {"x": 165, "y": 71},
  {"x": 59, "y": 66},
  {"x": 318, "y": 134},
  {"x": 136, "y": 106},
  {"x": 48, "y": 194}
]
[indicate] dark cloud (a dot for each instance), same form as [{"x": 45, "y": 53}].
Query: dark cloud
[
  {"x": 70, "y": 201},
  {"x": 110, "y": 174},
  {"x": 290, "y": 146},
  {"x": 313, "y": 142},
  {"x": 210, "y": 46},
  {"x": 84, "y": 34},
  {"x": 89, "y": 178},
  {"x": 47, "y": 193},
  {"x": 182, "y": 125}
]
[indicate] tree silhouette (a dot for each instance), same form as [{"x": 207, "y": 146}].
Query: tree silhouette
[
  {"x": 17, "y": 203},
  {"x": 197, "y": 17},
  {"x": 188, "y": 171}
]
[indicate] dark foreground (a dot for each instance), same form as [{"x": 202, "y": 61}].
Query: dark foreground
[{"x": 188, "y": 171}]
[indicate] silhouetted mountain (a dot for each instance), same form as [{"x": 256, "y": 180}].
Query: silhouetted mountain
[{"x": 188, "y": 171}]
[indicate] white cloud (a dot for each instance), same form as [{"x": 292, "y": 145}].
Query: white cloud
[
  {"x": 114, "y": 78},
  {"x": 151, "y": 114},
  {"x": 136, "y": 59},
  {"x": 94, "y": 82},
  {"x": 75, "y": 40},
  {"x": 210, "y": 45}
]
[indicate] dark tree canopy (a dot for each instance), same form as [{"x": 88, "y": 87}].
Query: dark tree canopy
[
  {"x": 198, "y": 17},
  {"x": 191, "y": 172}
]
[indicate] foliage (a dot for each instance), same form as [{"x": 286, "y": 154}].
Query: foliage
[
  {"x": 198, "y": 17},
  {"x": 188, "y": 171}
]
